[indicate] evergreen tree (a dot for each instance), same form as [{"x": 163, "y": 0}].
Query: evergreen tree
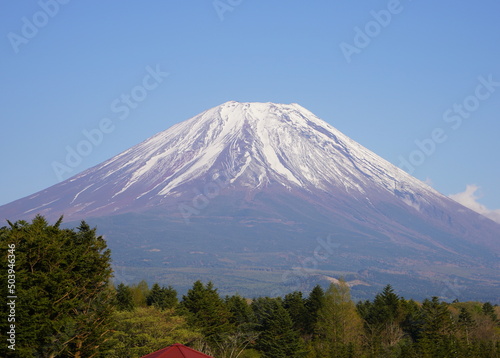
[
  {"x": 437, "y": 338},
  {"x": 387, "y": 305},
  {"x": 241, "y": 312},
  {"x": 385, "y": 309},
  {"x": 207, "y": 310},
  {"x": 465, "y": 322},
  {"x": 123, "y": 299},
  {"x": 63, "y": 300},
  {"x": 277, "y": 338},
  {"x": 313, "y": 305},
  {"x": 412, "y": 319},
  {"x": 489, "y": 310},
  {"x": 262, "y": 306},
  {"x": 294, "y": 303},
  {"x": 154, "y": 297},
  {"x": 382, "y": 320},
  {"x": 162, "y": 297},
  {"x": 437, "y": 320}
]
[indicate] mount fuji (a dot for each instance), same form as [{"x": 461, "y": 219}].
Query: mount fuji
[{"x": 266, "y": 198}]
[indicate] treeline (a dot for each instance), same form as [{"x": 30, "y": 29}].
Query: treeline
[
  {"x": 321, "y": 324},
  {"x": 65, "y": 305}
]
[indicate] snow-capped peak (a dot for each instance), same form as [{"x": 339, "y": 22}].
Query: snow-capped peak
[
  {"x": 254, "y": 145},
  {"x": 260, "y": 144}
]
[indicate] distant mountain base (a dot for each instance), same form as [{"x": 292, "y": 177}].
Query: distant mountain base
[{"x": 271, "y": 261}]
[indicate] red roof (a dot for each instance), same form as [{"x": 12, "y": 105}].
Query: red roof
[{"x": 176, "y": 351}]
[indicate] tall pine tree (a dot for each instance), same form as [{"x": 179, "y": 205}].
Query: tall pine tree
[
  {"x": 294, "y": 303},
  {"x": 277, "y": 338},
  {"x": 313, "y": 305},
  {"x": 124, "y": 299},
  {"x": 207, "y": 311},
  {"x": 162, "y": 297}
]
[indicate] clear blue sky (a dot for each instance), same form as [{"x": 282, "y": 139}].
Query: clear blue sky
[{"x": 73, "y": 63}]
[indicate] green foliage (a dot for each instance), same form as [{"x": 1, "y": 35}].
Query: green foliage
[
  {"x": 231, "y": 345},
  {"x": 241, "y": 314},
  {"x": 145, "y": 330},
  {"x": 294, "y": 303},
  {"x": 124, "y": 300},
  {"x": 313, "y": 304},
  {"x": 261, "y": 306},
  {"x": 139, "y": 293},
  {"x": 207, "y": 311},
  {"x": 162, "y": 297},
  {"x": 66, "y": 307},
  {"x": 383, "y": 322},
  {"x": 62, "y": 286},
  {"x": 489, "y": 310},
  {"x": 411, "y": 323},
  {"x": 277, "y": 337},
  {"x": 465, "y": 319},
  {"x": 437, "y": 319},
  {"x": 339, "y": 325},
  {"x": 250, "y": 353}
]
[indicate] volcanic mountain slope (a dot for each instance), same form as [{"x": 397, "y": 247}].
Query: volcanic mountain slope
[{"x": 249, "y": 186}]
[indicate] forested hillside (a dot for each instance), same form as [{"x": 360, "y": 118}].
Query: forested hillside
[
  {"x": 64, "y": 304},
  {"x": 323, "y": 323}
]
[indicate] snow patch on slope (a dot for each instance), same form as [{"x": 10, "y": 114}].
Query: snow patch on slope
[{"x": 259, "y": 144}]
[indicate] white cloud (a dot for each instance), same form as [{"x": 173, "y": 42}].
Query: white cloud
[{"x": 469, "y": 199}]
